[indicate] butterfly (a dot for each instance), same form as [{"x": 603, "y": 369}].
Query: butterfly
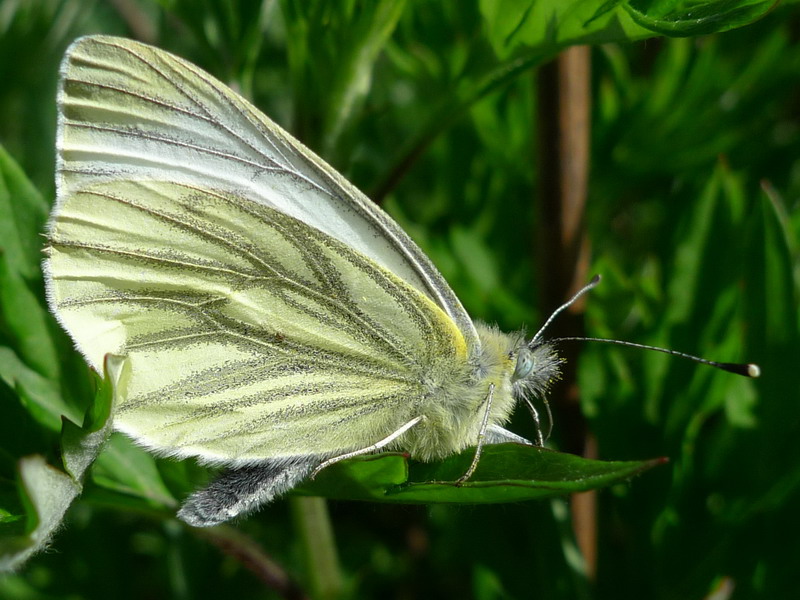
[{"x": 275, "y": 320}]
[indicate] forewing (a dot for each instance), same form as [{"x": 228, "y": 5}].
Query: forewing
[
  {"x": 129, "y": 110},
  {"x": 250, "y": 334}
]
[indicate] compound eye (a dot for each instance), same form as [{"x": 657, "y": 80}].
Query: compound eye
[{"x": 524, "y": 366}]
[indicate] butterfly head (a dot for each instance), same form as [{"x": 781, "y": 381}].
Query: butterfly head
[
  {"x": 536, "y": 368},
  {"x": 537, "y": 364}
]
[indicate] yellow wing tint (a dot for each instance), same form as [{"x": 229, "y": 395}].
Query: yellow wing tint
[{"x": 250, "y": 334}]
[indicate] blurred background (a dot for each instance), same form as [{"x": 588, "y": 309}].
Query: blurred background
[{"x": 661, "y": 153}]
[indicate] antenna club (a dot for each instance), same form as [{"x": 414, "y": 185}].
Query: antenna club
[{"x": 744, "y": 369}]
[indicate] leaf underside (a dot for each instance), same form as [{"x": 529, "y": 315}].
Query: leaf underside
[{"x": 506, "y": 473}]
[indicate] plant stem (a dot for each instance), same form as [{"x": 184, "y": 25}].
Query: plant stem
[
  {"x": 564, "y": 99},
  {"x": 240, "y": 546},
  {"x": 316, "y": 535}
]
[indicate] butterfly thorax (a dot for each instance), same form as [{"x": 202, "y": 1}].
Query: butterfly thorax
[{"x": 454, "y": 410}]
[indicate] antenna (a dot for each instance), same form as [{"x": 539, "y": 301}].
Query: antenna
[
  {"x": 745, "y": 369},
  {"x": 595, "y": 280}
]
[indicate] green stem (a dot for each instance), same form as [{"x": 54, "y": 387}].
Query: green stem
[{"x": 316, "y": 534}]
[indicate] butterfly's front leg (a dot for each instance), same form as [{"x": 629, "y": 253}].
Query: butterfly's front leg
[{"x": 481, "y": 438}]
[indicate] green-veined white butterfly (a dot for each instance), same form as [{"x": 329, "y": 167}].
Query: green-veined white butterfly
[{"x": 274, "y": 318}]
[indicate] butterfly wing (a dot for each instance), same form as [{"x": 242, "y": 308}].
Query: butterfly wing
[
  {"x": 132, "y": 111},
  {"x": 250, "y": 334}
]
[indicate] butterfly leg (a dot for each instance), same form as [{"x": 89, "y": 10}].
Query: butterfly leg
[
  {"x": 481, "y": 438},
  {"x": 376, "y": 446},
  {"x": 535, "y": 414}
]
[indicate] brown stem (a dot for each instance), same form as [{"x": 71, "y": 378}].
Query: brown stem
[
  {"x": 564, "y": 103},
  {"x": 241, "y": 547}
]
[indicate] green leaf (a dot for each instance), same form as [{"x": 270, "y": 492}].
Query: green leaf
[
  {"x": 23, "y": 212},
  {"x": 506, "y": 473},
  {"x": 332, "y": 52},
  {"x": 770, "y": 282},
  {"x": 354, "y": 63},
  {"x": 25, "y": 322},
  {"x": 81, "y": 445},
  {"x": 359, "y": 478},
  {"x": 553, "y": 24},
  {"x": 697, "y": 18},
  {"x": 127, "y": 469},
  {"x": 20, "y": 433},
  {"x": 25, "y": 325},
  {"x": 47, "y": 492},
  {"x": 41, "y": 397}
]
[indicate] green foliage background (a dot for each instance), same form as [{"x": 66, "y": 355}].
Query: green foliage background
[{"x": 694, "y": 223}]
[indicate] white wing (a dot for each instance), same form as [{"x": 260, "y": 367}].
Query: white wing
[{"x": 131, "y": 111}]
